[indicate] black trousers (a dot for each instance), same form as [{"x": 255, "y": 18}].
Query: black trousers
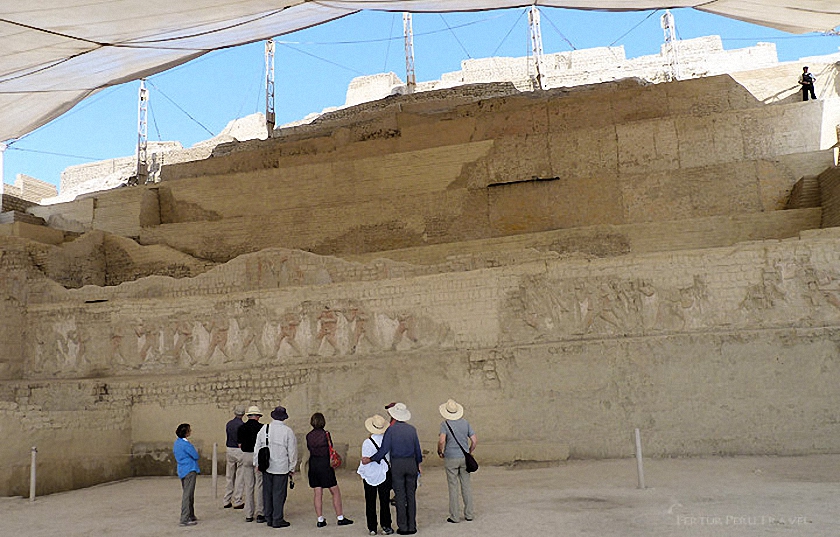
[
  {"x": 274, "y": 497},
  {"x": 404, "y": 475},
  {"x": 806, "y": 89},
  {"x": 383, "y": 492}
]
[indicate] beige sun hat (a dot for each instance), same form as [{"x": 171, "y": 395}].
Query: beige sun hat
[
  {"x": 254, "y": 410},
  {"x": 376, "y": 424},
  {"x": 399, "y": 412},
  {"x": 451, "y": 410}
]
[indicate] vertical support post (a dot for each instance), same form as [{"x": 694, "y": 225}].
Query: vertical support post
[
  {"x": 3, "y": 147},
  {"x": 215, "y": 471},
  {"x": 408, "y": 36},
  {"x": 32, "y": 474},
  {"x": 639, "y": 466},
  {"x": 270, "y": 117},
  {"x": 142, "y": 134},
  {"x": 670, "y": 29},
  {"x": 536, "y": 45}
]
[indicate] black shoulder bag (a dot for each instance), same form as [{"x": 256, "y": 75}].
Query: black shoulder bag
[
  {"x": 472, "y": 464},
  {"x": 264, "y": 455}
]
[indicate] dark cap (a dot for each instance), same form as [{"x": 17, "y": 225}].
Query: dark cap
[{"x": 279, "y": 414}]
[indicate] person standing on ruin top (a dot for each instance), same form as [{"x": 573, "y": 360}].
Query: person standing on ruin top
[
  {"x": 807, "y": 82},
  {"x": 234, "y": 471}
]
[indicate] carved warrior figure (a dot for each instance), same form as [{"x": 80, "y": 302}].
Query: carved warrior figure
[
  {"x": 288, "y": 333},
  {"x": 147, "y": 334},
  {"x": 251, "y": 330},
  {"x": 327, "y": 329},
  {"x": 406, "y": 327},
  {"x": 183, "y": 335},
  {"x": 359, "y": 318},
  {"x": 217, "y": 327}
]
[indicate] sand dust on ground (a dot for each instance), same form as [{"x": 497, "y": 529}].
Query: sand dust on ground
[{"x": 684, "y": 497}]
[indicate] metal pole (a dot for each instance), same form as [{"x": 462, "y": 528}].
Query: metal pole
[
  {"x": 408, "y": 38},
  {"x": 536, "y": 46},
  {"x": 32, "y": 474},
  {"x": 3, "y": 148},
  {"x": 639, "y": 467},
  {"x": 270, "y": 116},
  {"x": 215, "y": 470},
  {"x": 142, "y": 134}
]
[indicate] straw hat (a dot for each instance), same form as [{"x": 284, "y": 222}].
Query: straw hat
[
  {"x": 399, "y": 412},
  {"x": 254, "y": 410},
  {"x": 451, "y": 410},
  {"x": 376, "y": 424}
]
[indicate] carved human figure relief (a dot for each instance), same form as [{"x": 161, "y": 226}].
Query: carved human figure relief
[
  {"x": 648, "y": 300},
  {"x": 287, "y": 332},
  {"x": 327, "y": 330},
  {"x": 147, "y": 340},
  {"x": 359, "y": 318},
  {"x": 121, "y": 356},
  {"x": 71, "y": 346},
  {"x": 46, "y": 352},
  {"x": 183, "y": 334},
  {"x": 406, "y": 329},
  {"x": 217, "y": 328},
  {"x": 250, "y": 329}
]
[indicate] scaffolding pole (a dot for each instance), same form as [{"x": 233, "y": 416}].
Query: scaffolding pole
[
  {"x": 536, "y": 46},
  {"x": 269, "y": 87},
  {"x": 670, "y": 28},
  {"x": 408, "y": 36},
  {"x": 142, "y": 134}
]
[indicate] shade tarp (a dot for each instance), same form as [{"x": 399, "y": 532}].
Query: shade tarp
[{"x": 54, "y": 53}]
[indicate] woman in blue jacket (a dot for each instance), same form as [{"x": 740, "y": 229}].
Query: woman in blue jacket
[{"x": 187, "y": 457}]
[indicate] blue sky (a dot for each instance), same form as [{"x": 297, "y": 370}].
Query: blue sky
[{"x": 313, "y": 67}]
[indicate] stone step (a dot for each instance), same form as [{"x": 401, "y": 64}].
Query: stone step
[{"x": 805, "y": 193}]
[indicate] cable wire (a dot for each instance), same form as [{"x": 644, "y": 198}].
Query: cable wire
[
  {"x": 322, "y": 59},
  {"x": 52, "y": 153},
  {"x": 180, "y": 108},
  {"x": 544, "y": 15},
  {"x": 521, "y": 14},
  {"x": 154, "y": 121},
  {"x": 455, "y": 36},
  {"x": 651, "y": 14},
  {"x": 388, "y": 48}
]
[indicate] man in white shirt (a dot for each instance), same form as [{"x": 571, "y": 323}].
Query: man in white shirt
[{"x": 283, "y": 447}]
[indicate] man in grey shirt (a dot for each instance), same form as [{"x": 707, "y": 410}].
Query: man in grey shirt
[{"x": 456, "y": 430}]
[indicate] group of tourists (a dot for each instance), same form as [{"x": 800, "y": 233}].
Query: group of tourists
[{"x": 391, "y": 460}]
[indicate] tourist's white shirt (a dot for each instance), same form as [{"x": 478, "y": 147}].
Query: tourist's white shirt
[{"x": 373, "y": 473}]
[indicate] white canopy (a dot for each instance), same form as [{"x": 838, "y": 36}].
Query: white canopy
[{"x": 54, "y": 53}]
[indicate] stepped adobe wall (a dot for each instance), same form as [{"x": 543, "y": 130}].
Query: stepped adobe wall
[{"x": 570, "y": 265}]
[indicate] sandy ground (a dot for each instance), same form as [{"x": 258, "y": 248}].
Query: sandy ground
[{"x": 685, "y": 497}]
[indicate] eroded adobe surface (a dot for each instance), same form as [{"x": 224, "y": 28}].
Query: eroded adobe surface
[{"x": 601, "y": 258}]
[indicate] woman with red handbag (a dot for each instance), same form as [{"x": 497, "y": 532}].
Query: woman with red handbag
[{"x": 321, "y": 471}]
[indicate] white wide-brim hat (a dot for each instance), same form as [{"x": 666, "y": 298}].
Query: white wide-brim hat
[
  {"x": 376, "y": 424},
  {"x": 451, "y": 410},
  {"x": 254, "y": 410},
  {"x": 399, "y": 412}
]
